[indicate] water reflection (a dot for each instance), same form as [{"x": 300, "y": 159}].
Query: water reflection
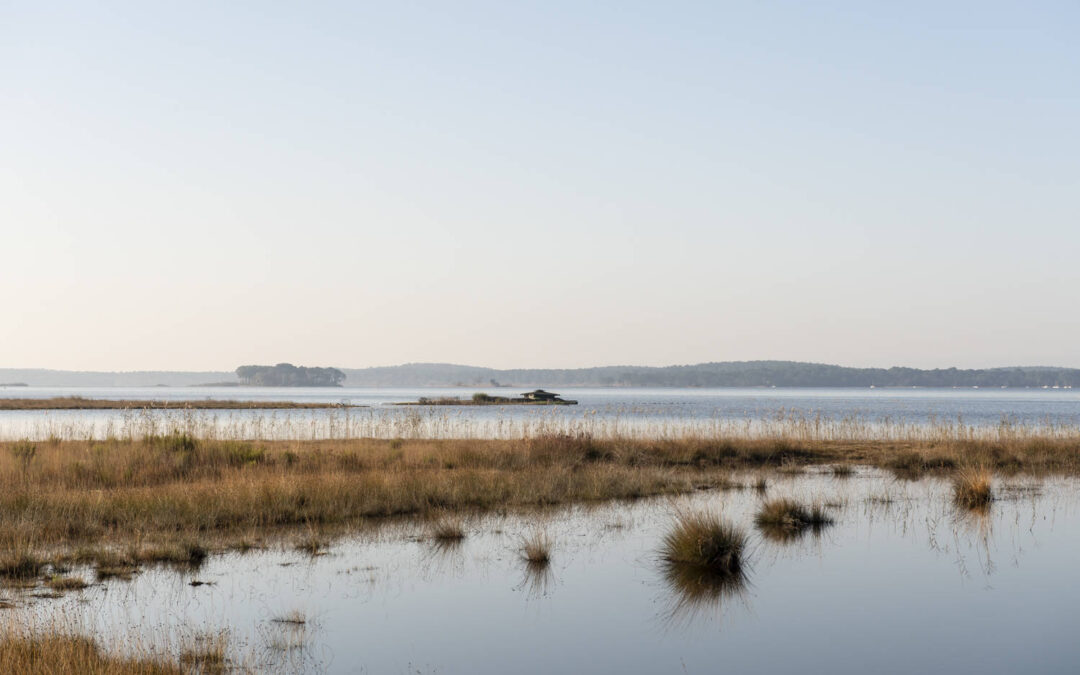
[
  {"x": 537, "y": 579},
  {"x": 396, "y": 595},
  {"x": 696, "y": 592}
]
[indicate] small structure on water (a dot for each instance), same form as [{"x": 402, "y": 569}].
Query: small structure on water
[{"x": 540, "y": 395}]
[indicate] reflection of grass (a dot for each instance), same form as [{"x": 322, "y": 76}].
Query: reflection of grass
[
  {"x": 972, "y": 488},
  {"x": 698, "y": 589},
  {"x": 705, "y": 541},
  {"x": 537, "y": 579}
]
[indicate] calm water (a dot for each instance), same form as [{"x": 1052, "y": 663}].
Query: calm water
[
  {"x": 902, "y": 583},
  {"x": 601, "y": 410}
]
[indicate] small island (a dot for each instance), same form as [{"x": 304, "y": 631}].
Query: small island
[
  {"x": 537, "y": 397},
  {"x": 288, "y": 375}
]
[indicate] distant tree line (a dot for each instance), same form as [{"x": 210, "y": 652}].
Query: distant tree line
[
  {"x": 288, "y": 375},
  {"x": 722, "y": 374}
]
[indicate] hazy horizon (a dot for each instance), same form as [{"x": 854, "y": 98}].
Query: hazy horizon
[
  {"x": 541, "y": 185},
  {"x": 486, "y": 367}
]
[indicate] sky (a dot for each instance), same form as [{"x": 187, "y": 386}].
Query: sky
[{"x": 199, "y": 185}]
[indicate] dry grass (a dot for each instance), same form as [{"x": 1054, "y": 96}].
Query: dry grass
[
  {"x": 119, "y": 504},
  {"x": 80, "y": 403},
  {"x": 972, "y": 488},
  {"x": 207, "y": 654},
  {"x": 705, "y": 541},
  {"x": 61, "y": 583},
  {"x": 536, "y": 548},
  {"x": 448, "y": 529},
  {"x": 784, "y": 519},
  {"x": 28, "y": 654}
]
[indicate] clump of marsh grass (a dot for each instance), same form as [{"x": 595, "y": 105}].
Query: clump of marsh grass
[
  {"x": 705, "y": 541},
  {"x": 843, "y": 470},
  {"x": 61, "y": 583},
  {"x": 536, "y": 548},
  {"x": 783, "y": 519},
  {"x": 447, "y": 529},
  {"x": 972, "y": 488},
  {"x": 761, "y": 484}
]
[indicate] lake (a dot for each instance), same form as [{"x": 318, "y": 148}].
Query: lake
[
  {"x": 903, "y": 582},
  {"x": 631, "y": 411}
]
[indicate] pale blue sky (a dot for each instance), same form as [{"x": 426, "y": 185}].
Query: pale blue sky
[{"x": 198, "y": 185}]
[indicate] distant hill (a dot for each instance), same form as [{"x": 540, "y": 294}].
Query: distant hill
[{"x": 719, "y": 374}]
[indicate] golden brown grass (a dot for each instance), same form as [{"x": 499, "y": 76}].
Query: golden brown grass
[
  {"x": 62, "y": 583},
  {"x": 783, "y": 519},
  {"x": 705, "y": 541},
  {"x": 447, "y": 529},
  {"x": 28, "y": 654},
  {"x": 972, "y": 488},
  {"x": 536, "y": 548},
  {"x": 119, "y": 504},
  {"x": 79, "y": 403}
]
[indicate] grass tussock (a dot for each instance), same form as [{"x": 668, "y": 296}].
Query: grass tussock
[
  {"x": 784, "y": 519},
  {"x": 972, "y": 488},
  {"x": 705, "y": 541},
  {"x": 536, "y": 548},
  {"x": 448, "y": 529},
  {"x": 61, "y": 583}
]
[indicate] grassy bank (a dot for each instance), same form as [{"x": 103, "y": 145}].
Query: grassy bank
[
  {"x": 79, "y": 403},
  {"x": 52, "y": 654},
  {"x": 121, "y": 503}
]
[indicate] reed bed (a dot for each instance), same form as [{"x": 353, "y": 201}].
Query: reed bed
[
  {"x": 172, "y": 498},
  {"x": 337, "y": 422}
]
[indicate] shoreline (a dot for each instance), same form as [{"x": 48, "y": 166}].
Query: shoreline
[{"x": 79, "y": 403}]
